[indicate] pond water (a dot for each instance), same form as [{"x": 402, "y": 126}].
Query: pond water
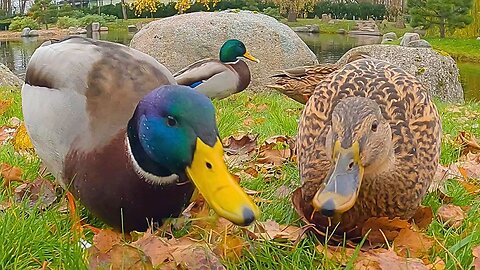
[{"x": 328, "y": 48}]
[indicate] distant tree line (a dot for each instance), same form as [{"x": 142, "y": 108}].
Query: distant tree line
[{"x": 352, "y": 10}]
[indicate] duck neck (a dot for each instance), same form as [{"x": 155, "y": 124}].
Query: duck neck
[{"x": 144, "y": 166}]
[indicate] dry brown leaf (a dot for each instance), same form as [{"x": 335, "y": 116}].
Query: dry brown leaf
[
  {"x": 230, "y": 247},
  {"x": 451, "y": 215},
  {"x": 439, "y": 264},
  {"x": 193, "y": 256},
  {"x": 251, "y": 171},
  {"x": 4, "y": 205},
  {"x": 6, "y": 133},
  {"x": 40, "y": 192},
  {"x": 283, "y": 192},
  {"x": 10, "y": 173},
  {"x": 120, "y": 256},
  {"x": 271, "y": 230},
  {"x": 383, "y": 228},
  {"x": 468, "y": 142},
  {"x": 338, "y": 254},
  {"x": 383, "y": 259},
  {"x": 240, "y": 144},
  {"x": 21, "y": 141},
  {"x": 4, "y": 105},
  {"x": 154, "y": 247},
  {"x": 476, "y": 257},
  {"x": 248, "y": 122},
  {"x": 412, "y": 243},
  {"x": 423, "y": 217},
  {"x": 262, "y": 107},
  {"x": 106, "y": 239}
]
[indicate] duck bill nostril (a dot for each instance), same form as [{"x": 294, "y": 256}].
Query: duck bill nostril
[{"x": 342, "y": 185}]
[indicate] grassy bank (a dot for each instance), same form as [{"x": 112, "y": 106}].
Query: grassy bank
[
  {"x": 33, "y": 237},
  {"x": 122, "y": 25},
  {"x": 465, "y": 50}
]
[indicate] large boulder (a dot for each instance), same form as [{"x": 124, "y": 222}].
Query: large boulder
[
  {"x": 438, "y": 72},
  {"x": 409, "y": 37},
  {"x": 180, "y": 40},
  {"x": 7, "y": 78}
]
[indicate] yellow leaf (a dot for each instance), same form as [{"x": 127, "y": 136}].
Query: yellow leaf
[{"x": 21, "y": 141}]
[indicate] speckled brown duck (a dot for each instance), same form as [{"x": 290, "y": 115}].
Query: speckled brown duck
[
  {"x": 368, "y": 146},
  {"x": 114, "y": 128},
  {"x": 299, "y": 83}
]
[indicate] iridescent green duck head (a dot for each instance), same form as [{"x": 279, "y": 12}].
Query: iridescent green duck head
[{"x": 232, "y": 49}]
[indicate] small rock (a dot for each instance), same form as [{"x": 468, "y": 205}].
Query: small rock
[
  {"x": 8, "y": 78},
  {"x": 95, "y": 27},
  {"x": 132, "y": 28},
  {"x": 25, "y": 32},
  {"x": 81, "y": 31},
  {"x": 421, "y": 32},
  {"x": 419, "y": 44},
  {"x": 342, "y": 31},
  {"x": 409, "y": 37},
  {"x": 103, "y": 29},
  {"x": 307, "y": 29},
  {"x": 390, "y": 35},
  {"x": 33, "y": 33},
  {"x": 326, "y": 18},
  {"x": 478, "y": 38}
]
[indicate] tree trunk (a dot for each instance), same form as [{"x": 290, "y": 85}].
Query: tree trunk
[
  {"x": 442, "y": 27},
  {"x": 124, "y": 10},
  {"x": 292, "y": 15}
]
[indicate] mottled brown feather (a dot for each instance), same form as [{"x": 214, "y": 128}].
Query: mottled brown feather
[{"x": 416, "y": 132}]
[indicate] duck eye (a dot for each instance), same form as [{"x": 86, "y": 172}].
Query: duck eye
[
  {"x": 374, "y": 126},
  {"x": 171, "y": 122}
]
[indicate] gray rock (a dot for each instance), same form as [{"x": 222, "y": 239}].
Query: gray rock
[
  {"x": 95, "y": 27},
  {"x": 81, "y": 31},
  {"x": 478, "y": 38},
  {"x": 390, "y": 35},
  {"x": 132, "y": 28},
  {"x": 273, "y": 43},
  {"x": 409, "y": 37},
  {"x": 33, "y": 33},
  {"x": 7, "y": 78},
  {"x": 421, "y": 32},
  {"x": 25, "y": 32},
  {"x": 103, "y": 29},
  {"x": 386, "y": 40},
  {"x": 342, "y": 31},
  {"x": 326, "y": 17},
  {"x": 422, "y": 43},
  {"x": 437, "y": 72},
  {"x": 307, "y": 29}
]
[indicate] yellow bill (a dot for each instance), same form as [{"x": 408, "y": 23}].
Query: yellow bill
[
  {"x": 210, "y": 175},
  {"x": 343, "y": 183},
  {"x": 250, "y": 57}
]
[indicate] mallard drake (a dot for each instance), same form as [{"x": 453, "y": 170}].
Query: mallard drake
[
  {"x": 219, "y": 78},
  {"x": 116, "y": 131},
  {"x": 299, "y": 83},
  {"x": 368, "y": 146}
]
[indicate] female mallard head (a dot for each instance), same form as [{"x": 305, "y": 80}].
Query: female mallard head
[
  {"x": 360, "y": 145},
  {"x": 173, "y": 134},
  {"x": 232, "y": 49}
]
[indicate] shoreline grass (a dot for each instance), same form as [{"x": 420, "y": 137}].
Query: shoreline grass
[{"x": 33, "y": 236}]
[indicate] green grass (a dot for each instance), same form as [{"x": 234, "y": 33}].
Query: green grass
[
  {"x": 122, "y": 25},
  {"x": 464, "y": 50},
  {"x": 32, "y": 237}
]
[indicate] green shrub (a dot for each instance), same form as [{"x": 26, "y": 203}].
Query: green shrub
[
  {"x": 109, "y": 18},
  {"x": 66, "y": 22},
  {"x": 88, "y": 19},
  {"x": 18, "y": 23},
  {"x": 77, "y": 14},
  {"x": 273, "y": 12}
]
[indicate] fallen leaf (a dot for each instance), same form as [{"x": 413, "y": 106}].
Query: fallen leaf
[
  {"x": 283, "y": 192},
  {"x": 412, "y": 243},
  {"x": 248, "y": 121},
  {"x": 276, "y": 150},
  {"x": 339, "y": 254},
  {"x": 383, "y": 228},
  {"x": 423, "y": 217},
  {"x": 106, "y": 239},
  {"x": 383, "y": 259},
  {"x": 4, "y": 105},
  {"x": 120, "y": 256},
  {"x": 468, "y": 142},
  {"x": 271, "y": 230},
  {"x": 262, "y": 107},
  {"x": 240, "y": 144},
  {"x": 157, "y": 249},
  {"x": 476, "y": 257},
  {"x": 6, "y": 134},
  {"x": 10, "y": 174},
  {"x": 230, "y": 247},
  {"x": 439, "y": 264},
  {"x": 21, "y": 141},
  {"x": 451, "y": 215},
  {"x": 5, "y": 205},
  {"x": 40, "y": 192},
  {"x": 251, "y": 171},
  {"x": 195, "y": 257}
]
